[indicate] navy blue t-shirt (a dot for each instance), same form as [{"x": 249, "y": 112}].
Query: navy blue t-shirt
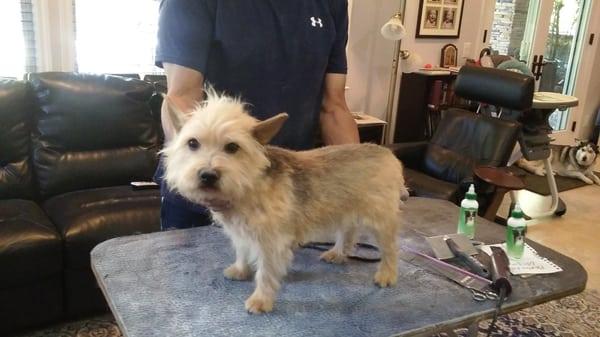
[{"x": 274, "y": 54}]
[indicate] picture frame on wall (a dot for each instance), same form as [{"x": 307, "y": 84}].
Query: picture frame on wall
[
  {"x": 440, "y": 19},
  {"x": 449, "y": 56}
]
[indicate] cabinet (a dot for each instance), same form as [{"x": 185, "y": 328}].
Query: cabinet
[
  {"x": 421, "y": 96},
  {"x": 370, "y": 129}
]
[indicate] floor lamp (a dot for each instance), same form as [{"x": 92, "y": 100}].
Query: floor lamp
[{"x": 394, "y": 30}]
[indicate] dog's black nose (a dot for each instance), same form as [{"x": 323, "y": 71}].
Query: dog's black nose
[
  {"x": 584, "y": 158},
  {"x": 208, "y": 178}
]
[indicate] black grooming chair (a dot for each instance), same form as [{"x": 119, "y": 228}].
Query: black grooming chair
[{"x": 444, "y": 166}]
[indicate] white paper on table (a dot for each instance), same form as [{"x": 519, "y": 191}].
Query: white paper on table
[{"x": 530, "y": 263}]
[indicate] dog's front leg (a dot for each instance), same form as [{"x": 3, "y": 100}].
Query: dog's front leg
[
  {"x": 240, "y": 269},
  {"x": 344, "y": 242},
  {"x": 594, "y": 177},
  {"x": 274, "y": 256},
  {"x": 580, "y": 176}
]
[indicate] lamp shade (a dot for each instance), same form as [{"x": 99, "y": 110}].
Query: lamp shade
[{"x": 393, "y": 29}]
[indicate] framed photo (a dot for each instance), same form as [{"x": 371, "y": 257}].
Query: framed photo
[
  {"x": 439, "y": 19},
  {"x": 449, "y": 57}
]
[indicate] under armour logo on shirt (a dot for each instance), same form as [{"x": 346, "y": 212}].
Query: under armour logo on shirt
[{"x": 316, "y": 21}]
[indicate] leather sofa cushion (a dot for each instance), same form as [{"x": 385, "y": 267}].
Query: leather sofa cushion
[
  {"x": 422, "y": 185},
  {"x": 92, "y": 131},
  {"x": 452, "y": 153},
  {"x": 86, "y": 218},
  {"x": 30, "y": 246},
  {"x": 15, "y": 126}
]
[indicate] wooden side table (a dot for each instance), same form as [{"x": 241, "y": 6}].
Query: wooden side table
[{"x": 503, "y": 180}]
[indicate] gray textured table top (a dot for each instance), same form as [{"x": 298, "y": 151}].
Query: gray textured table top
[{"x": 171, "y": 284}]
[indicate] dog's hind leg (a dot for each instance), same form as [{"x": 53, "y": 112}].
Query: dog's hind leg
[
  {"x": 387, "y": 271},
  {"x": 344, "y": 242},
  {"x": 274, "y": 257}
]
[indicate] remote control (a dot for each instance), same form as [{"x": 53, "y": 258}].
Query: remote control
[{"x": 143, "y": 185}]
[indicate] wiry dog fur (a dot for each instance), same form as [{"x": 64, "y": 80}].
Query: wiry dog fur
[
  {"x": 269, "y": 200},
  {"x": 568, "y": 161}
]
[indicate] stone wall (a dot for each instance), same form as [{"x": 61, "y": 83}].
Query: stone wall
[{"x": 510, "y": 18}]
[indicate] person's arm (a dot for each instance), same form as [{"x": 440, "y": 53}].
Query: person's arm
[
  {"x": 185, "y": 34},
  {"x": 337, "y": 124},
  {"x": 185, "y": 90}
]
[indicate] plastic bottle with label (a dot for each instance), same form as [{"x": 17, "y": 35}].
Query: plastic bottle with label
[
  {"x": 515, "y": 233},
  {"x": 468, "y": 213}
]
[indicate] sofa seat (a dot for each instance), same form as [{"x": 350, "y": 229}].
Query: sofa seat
[
  {"x": 87, "y": 217},
  {"x": 30, "y": 247},
  {"x": 422, "y": 185},
  {"x": 30, "y": 265}
]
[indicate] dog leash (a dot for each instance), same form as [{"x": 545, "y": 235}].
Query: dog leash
[{"x": 325, "y": 246}]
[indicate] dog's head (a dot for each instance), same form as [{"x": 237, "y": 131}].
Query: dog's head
[
  {"x": 217, "y": 153},
  {"x": 586, "y": 153}
]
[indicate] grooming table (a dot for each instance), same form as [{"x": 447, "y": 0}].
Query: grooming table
[{"x": 171, "y": 284}]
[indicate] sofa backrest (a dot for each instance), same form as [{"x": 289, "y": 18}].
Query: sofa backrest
[
  {"x": 16, "y": 109},
  {"x": 91, "y": 131}
]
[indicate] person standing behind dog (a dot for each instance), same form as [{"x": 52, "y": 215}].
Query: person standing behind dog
[{"x": 278, "y": 55}]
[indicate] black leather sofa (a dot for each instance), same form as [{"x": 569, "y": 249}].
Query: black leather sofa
[{"x": 70, "y": 144}]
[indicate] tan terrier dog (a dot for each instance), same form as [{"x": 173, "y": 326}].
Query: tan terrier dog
[{"x": 270, "y": 200}]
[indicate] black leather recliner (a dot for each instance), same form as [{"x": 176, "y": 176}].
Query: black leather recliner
[
  {"x": 443, "y": 167},
  {"x": 70, "y": 144}
]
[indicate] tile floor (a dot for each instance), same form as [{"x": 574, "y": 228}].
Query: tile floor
[{"x": 575, "y": 234}]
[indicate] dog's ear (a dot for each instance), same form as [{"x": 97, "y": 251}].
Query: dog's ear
[
  {"x": 265, "y": 130},
  {"x": 177, "y": 117}
]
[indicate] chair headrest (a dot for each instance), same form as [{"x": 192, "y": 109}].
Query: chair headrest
[{"x": 503, "y": 88}]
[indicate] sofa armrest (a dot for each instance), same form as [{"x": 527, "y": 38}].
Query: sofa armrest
[{"x": 411, "y": 154}]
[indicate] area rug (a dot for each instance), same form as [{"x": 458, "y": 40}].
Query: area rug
[
  {"x": 574, "y": 316},
  {"x": 539, "y": 185}
]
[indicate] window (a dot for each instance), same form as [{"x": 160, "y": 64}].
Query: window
[
  {"x": 11, "y": 39},
  {"x": 116, "y": 36}
]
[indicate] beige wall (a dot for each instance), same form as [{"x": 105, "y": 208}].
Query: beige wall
[{"x": 370, "y": 55}]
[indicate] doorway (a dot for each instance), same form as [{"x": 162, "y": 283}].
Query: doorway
[{"x": 547, "y": 35}]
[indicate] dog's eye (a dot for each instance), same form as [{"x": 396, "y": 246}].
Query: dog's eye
[
  {"x": 193, "y": 144},
  {"x": 231, "y": 148}
]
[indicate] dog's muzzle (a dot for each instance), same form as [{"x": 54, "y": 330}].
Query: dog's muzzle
[{"x": 208, "y": 178}]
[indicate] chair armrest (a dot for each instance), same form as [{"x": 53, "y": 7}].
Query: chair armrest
[{"x": 411, "y": 154}]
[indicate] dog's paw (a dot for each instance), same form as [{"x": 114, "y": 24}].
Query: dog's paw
[
  {"x": 540, "y": 172},
  {"x": 258, "y": 304},
  {"x": 332, "y": 256},
  {"x": 385, "y": 279},
  {"x": 587, "y": 180},
  {"x": 233, "y": 272}
]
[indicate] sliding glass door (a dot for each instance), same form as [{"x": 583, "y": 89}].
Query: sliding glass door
[{"x": 547, "y": 35}]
